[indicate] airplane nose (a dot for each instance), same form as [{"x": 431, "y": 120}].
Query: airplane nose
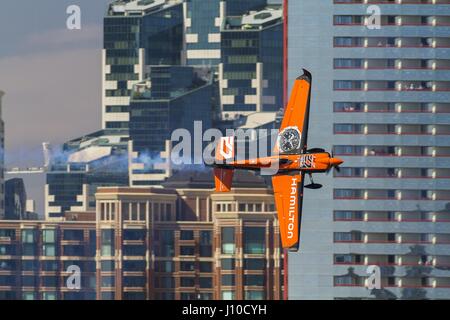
[{"x": 335, "y": 162}]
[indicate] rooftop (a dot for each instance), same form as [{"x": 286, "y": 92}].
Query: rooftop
[
  {"x": 102, "y": 138},
  {"x": 255, "y": 19},
  {"x": 257, "y": 120},
  {"x": 138, "y": 7}
]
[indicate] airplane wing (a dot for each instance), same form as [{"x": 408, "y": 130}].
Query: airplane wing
[
  {"x": 288, "y": 191},
  {"x": 296, "y": 115}
]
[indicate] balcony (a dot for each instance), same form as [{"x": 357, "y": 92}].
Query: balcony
[
  {"x": 392, "y": 173},
  {"x": 390, "y": 129},
  {"x": 391, "y": 238},
  {"x": 391, "y": 64},
  {"x": 393, "y": 260},
  {"x": 386, "y": 107},
  {"x": 399, "y": 86},
  {"x": 392, "y": 20},
  {"x": 392, "y": 151},
  {"x": 391, "y": 216},
  {"x": 391, "y": 42},
  {"x": 396, "y": 2},
  {"x": 391, "y": 194}
]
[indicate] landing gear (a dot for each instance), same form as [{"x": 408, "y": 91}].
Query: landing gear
[{"x": 313, "y": 185}]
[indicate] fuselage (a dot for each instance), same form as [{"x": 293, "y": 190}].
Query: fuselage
[{"x": 307, "y": 162}]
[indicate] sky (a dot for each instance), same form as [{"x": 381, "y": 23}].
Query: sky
[{"x": 51, "y": 77}]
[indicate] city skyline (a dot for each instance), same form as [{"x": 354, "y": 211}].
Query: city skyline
[{"x": 109, "y": 96}]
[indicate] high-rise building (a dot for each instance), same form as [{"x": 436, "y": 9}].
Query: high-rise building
[
  {"x": 36, "y": 256},
  {"x": 2, "y": 160},
  {"x": 83, "y": 164},
  {"x": 203, "y": 21},
  {"x": 186, "y": 242},
  {"x": 251, "y": 69},
  {"x": 244, "y": 38},
  {"x": 136, "y": 34},
  {"x": 15, "y": 199},
  {"x": 179, "y": 241},
  {"x": 380, "y": 99},
  {"x": 171, "y": 98}
]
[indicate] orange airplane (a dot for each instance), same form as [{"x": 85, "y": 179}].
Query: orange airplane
[{"x": 293, "y": 158}]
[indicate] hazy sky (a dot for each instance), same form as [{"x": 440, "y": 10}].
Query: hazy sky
[{"x": 51, "y": 76}]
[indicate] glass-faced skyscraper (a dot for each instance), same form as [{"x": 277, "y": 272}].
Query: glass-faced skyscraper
[
  {"x": 251, "y": 72},
  {"x": 136, "y": 34},
  {"x": 381, "y": 100},
  {"x": 2, "y": 159},
  {"x": 171, "y": 98},
  {"x": 203, "y": 21}
]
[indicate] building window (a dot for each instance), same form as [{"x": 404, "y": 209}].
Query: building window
[
  {"x": 254, "y": 280},
  {"x": 75, "y": 235},
  {"x": 134, "y": 282},
  {"x": 166, "y": 243},
  {"x": 187, "y": 235},
  {"x": 49, "y": 295},
  {"x": 347, "y": 236},
  {"x": 206, "y": 283},
  {"x": 346, "y": 280},
  {"x": 228, "y": 264},
  {"x": 343, "y": 258},
  {"x": 28, "y": 295},
  {"x": 228, "y": 295},
  {"x": 8, "y": 234},
  {"x": 73, "y": 250},
  {"x": 187, "y": 251},
  {"x": 29, "y": 265},
  {"x": 228, "y": 241},
  {"x": 206, "y": 266},
  {"x": 254, "y": 295},
  {"x": 187, "y": 282},
  {"x": 228, "y": 280},
  {"x": 134, "y": 265},
  {"x": 108, "y": 266},
  {"x": 254, "y": 240},
  {"x": 48, "y": 239},
  {"x": 134, "y": 235},
  {"x": 254, "y": 264},
  {"x": 29, "y": 242},
  {"x": 49, "y": 236},
  {"x": 125, "y": 211},
  {"x": 134, "y": 250},
  {"x": 49, "y": 265},
  {"x": 164, "y": 266},
  {"x": 107, "y": 242},
  {"x": 187, "y": 266},
  {"x": 108, "y": 295}
]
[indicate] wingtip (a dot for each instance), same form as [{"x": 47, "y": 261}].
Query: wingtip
[{"x": 305, "y": 76}]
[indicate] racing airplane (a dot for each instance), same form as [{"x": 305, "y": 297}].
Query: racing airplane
[{"x": 293, "y": 158}]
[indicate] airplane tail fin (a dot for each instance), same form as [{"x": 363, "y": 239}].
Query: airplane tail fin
[
  {"x": 223, "y": 175},
  {"x": 223, "y": 179},
  {"x": 225, "y": 150}
]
